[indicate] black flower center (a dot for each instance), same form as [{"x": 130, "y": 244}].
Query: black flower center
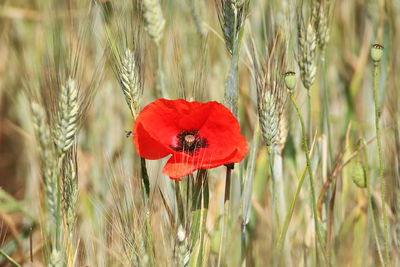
[{"x": 189, "y": 141}]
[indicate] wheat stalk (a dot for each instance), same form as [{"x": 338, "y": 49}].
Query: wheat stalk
[{"x": 271, "y": 100}]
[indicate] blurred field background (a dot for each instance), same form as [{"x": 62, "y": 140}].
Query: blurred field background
[{"x": 48, "y": 48}]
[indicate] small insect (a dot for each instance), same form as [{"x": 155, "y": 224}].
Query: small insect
[{"x": 128, "y": 134}]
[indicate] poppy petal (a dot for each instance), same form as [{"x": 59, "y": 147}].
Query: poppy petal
[
  {"x": 164, "y": 119},
  {"x": 223, "y": 135},
  {"x": 146, "y": 146},
  {"x": 201, "y": 162},
  {"x": 176, "y": 168}
]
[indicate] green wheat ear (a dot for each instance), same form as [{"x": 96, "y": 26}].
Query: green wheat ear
[
  {"x": 306, "y": 56},
  {"x": 130, "y": 80},
  {"x": 47, "y": 155},
  {"x": 56, "y": 259},
  {"x": 67, "y": 116},
  {"x": 271, "y": 92},
  {"x": 358, "y": 175},
  {"x": 269, "y": 119},
  {"x": 231, "y": 15},
  {"x": 153, "y": 19},
  {"x": 320, "y": 15}
]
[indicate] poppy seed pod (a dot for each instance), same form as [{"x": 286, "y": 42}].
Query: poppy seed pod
[
  {"x": 290, "y": 80},
  {"x": 197, "y": 135},
  {"x": 358, "y": 176},
  {"x": 376, "y": 52}
]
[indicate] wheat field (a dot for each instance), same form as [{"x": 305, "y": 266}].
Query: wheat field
[{"x": 91, "y": 93}]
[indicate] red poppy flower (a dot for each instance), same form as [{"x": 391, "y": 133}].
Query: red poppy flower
[{"x": 197, "y": 135}]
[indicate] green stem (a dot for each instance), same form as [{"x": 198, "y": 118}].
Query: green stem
[
  {"x": 281, "y": 209},
  {"x": 309, "y": 125},
  {"x": 200, "y": 199},
  {"x": 161, "y": 92},
  {"x": 274, "y": 201},
  {"x": 231, "y": 94},
  {"x": 179, "y": 203},
  {"x": 327, "y": 125},
  {"x": 310, "y": 175},
  {"x": 381, "y": 178},
  {"x": 275, "y": 206},
  {"x": 289, "y": 214},
  {"x": 145, "y": 179},
  {"x": 146, "y": 194},
  {"x": 229, "y": 168},
  {"x": 59, "y": 199},
  {"x": 9, "y": 259},
  {"x": 370, "y": 207}
]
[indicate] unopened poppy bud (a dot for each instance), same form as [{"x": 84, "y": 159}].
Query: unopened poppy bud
[
  {"x": 376, "y": 52},
  {"x": 290, "y": 80}
]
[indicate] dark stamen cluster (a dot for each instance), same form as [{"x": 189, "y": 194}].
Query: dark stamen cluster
[{"x": 190, "y": 141}]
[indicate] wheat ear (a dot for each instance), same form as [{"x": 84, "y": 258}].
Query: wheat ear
[
  {"x": 154, "y": 19},
  {"x": 67, "y": 117},
  {"x": 130, "y": 80}
]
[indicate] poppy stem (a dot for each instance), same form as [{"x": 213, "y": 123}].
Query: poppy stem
[
  {"x": 179, "y": 202},
  {"x": 310, "y": 175},
  {"x": 145, "y": 178},
  {"x": 289, "y": 213},
  {"x": 229, "y": 168},
  {"x": 200, "y": 199},
  {"x": 385, "y": 219},
  {"x": 370, "y": 205},
  {"x": 146, "y": 193}
]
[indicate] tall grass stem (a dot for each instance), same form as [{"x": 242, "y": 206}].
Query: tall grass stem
[
  {"x": 381, "y": 177},
  {"x": 370, "y": 206},
  {"x": 310, "y": 175}
]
